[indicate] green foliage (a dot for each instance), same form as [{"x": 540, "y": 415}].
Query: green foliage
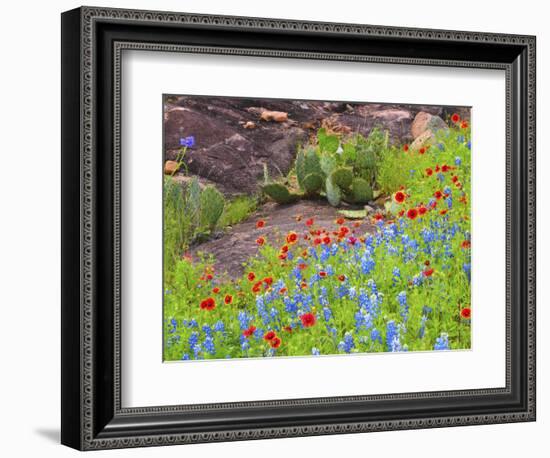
[
  {"x": 309, "y": 172},
  {"x": 313, "y": 183},
  {"x": 312, "y": 163},
  {"x": 300, "y": 166},
  {"x": 394, "y": 169},
  {"x": 342, "y": 177},
  {"x": 178, "y": 228},
  {"x": 328, "y": 164},
  {"x": 349, "y": 153},
  {"x": 327, "y": 143},
  {"x": 238, "y": 210},
  {"x": 212, "y": 204},
  {"x": 333, "y": 192},
  {"x": 189, "y": 215},
  {"x": 361, "y": 191},
  {"x": 193, "y": 200},
  {"x": 279, "y": 193}
]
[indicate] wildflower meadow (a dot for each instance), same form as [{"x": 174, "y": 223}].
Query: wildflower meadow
[{"x": 389, "y": 276}]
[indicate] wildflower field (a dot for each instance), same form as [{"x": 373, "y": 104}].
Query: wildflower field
[{"x": 393, "y": 279}]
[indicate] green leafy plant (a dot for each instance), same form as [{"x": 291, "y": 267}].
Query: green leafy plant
[
  {"x": 212, "y": 203},
  {"x": 237, "y": 210},
  {"x": 190, "y": 214}
]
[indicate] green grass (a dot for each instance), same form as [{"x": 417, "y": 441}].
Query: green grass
[{"x": 237, "y": 210}]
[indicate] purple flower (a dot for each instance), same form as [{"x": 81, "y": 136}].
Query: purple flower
[{"x": 187, "y": 142}]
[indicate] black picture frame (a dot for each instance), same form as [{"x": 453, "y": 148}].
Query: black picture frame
[{"x": 92, "y": 40}]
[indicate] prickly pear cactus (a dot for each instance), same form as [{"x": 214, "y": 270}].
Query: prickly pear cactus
[
  {"x": 361, "y": 191},
  {"x": 300, "y": 166},
  {"x": 342, "y": 177},
  {"x": 328, "y": 164},
  {"x": 279, "y": 193},
  {"x": 312, "y": 163},
  {"x": 334, "y": 194},
  {"x": 313, "y": 183},
  {"x": 212, "y": 203}
]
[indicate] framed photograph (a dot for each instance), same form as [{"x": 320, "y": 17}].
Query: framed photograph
[{"x": 276, "y": 228}]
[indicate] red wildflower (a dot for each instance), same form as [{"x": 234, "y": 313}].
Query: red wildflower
[
  {"x": 464, "y": 125},
  {"x": 399, "y": 196},
  {"x": 275, "y": 342},
  {"x": 302, "y": 266},
  {"x": 405, "y": 148},
  {"x": 228, "y": 299},
  {"x": 438, "y": 195},
  {"x": 260, "y": 223},
  {"x": 426, "y": 263},
  {"x": 455, "y": 118},
  {"x": 378, "y": 216},
  {"x": 342, "y": 277},
  {"x": 216, "y": 290},
  {"x": 326, "y": 240},
  {"x": 282, "y": 256},
  {"x": 251, "y": 276},
  {"x": 260, "y": 241},
  {"x": 269, "y": 335},
  {"x": 257, "y": 287},
  {"x": 428, "y": 272},
  {"x": 268, "y": 280},
  {"x": 454, "y": 179},
  {"x": 429, "y": 172},
  {"x": 283, "y": 290},
  {"x": 422, "y": 150},
  {"x": 208, "y": 304},
  {"x": 340, "y": 221},
  {"x": 303, "y": 285},
  {"x": 422, "y": 210},
  {"x": 401, "y": 213},
  {"x": 344, "y": 230},
  {"x": 322, "y": 274},
  {"x": 466, "y": 313},
  {"x": 309, "y": 222},
  {"x": 437, "y": 169},
  {"x": 308, "y": 320},
  {"x": 443, "y": 212},
  {"x": 287, "y": 329},
  {"x": 445, "y": 168},
  {"x": 291, "y": 238},
  {"x": 466, "y": 244},
  {"x": 412, "y": 213},
  {"x": 248, "y": 332},
  {"x": 317, "y": 241},
  {"x": 209, "y": 276},
  {"x": 284, "y": 249},
  {"x": 352, "y": 240}
]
